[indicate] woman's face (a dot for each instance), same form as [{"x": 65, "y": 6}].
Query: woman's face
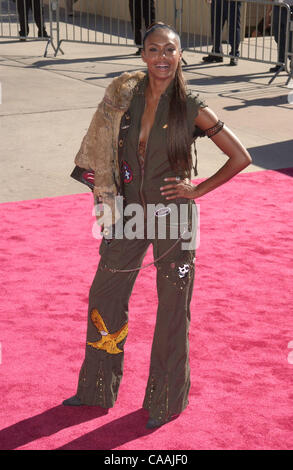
[{"x": 162, "y": 54}]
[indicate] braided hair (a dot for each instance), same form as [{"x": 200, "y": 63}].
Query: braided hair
[{"x": 178, "y": 143}]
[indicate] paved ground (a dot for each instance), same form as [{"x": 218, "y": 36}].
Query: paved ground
[{"x": 47, "y": 104}]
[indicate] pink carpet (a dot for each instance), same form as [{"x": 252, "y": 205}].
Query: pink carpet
[{"x": 241, "y": 394}]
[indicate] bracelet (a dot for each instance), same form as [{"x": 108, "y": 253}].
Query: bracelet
[{"x": 215, "y": 129}]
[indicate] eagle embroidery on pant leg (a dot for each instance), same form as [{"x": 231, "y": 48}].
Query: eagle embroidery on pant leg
[{"x": 108, "y": 341}]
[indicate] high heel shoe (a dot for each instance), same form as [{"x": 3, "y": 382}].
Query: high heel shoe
[
  {"x": 158, "y": 422},
  {"x": 72, "y": 401},
  {"x": 154, "y": 423}
]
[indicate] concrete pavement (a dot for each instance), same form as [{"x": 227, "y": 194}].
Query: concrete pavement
[{"x": 47, "y": 105}]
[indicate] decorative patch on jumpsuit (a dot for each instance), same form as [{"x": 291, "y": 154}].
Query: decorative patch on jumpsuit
[
  {"x": 126, "y": 171},
  {"x": 179, "y": 272},
  {"x": 108, "y": 341}
]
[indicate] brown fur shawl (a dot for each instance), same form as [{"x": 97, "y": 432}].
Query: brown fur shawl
[{"x": 99, "y": 147}]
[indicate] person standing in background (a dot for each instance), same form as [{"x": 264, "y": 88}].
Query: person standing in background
[
  {"x": 280, "y": 18},
  {"x": 222, "y": 11},
  {"x": 141, "y": 9},
  {"x": 23, "y": 8},
  {"x": 69, "y": 7},
  {"x": 264, "y": 26}
]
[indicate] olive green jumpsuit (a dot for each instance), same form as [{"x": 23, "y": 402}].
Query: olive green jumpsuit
[{"x": 169, "y": 375}]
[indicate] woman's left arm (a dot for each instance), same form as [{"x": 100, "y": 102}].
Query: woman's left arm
[{"x": 226, "y": 140}]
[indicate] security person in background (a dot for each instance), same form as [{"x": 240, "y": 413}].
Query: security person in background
[
  {"x": 141, "y": 9},
  {"x": 280, "y": 18},
  {"x": 222, "y": 11},
  {"x": 23, "y": 7}
]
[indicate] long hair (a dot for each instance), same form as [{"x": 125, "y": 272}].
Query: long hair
[{"x": 178, "y": 141}]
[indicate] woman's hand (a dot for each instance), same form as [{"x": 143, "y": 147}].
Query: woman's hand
[{"x": 179, "y": 188}]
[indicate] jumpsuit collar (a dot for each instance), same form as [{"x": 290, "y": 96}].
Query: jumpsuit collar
[{"x": 142, "y": 85}]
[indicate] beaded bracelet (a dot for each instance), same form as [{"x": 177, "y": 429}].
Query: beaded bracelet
[{"x": 215, "y": 129}]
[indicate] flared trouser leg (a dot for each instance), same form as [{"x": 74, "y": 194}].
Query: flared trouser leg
[
  {"x": 169, "y": 375},
  {"x": 102, "y": 368}
]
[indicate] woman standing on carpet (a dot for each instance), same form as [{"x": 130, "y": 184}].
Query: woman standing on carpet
[{"x": 156, "y": 129}]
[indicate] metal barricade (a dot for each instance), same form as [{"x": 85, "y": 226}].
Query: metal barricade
[
  {"x": 26, "y": 20},
  {"x": 254, "y": 30},
  {"x": 112, "y": 22}
]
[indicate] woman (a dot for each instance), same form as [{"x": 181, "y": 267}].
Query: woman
[{"x": 154, "y": 157}]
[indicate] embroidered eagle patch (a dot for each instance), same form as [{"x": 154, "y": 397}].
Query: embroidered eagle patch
[{"x": 108, "y": 340}]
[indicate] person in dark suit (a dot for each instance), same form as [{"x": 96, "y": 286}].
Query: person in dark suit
[
  {"x": 280, "y": 18},
  {"x": 23, "y": 8},
  {"x": 69, "y": 7},
  {"x": 141, "y": 9},
  {"x": 222, "y": 11}
]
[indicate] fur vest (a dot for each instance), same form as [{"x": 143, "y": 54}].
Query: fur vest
[{"x": 99, "y": 147}]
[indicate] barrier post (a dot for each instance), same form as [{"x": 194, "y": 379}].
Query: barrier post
[
  {"x": 288, "y": 42},
  {"x": 54, "y": 12},
  {"x": 289, "y": 49}
]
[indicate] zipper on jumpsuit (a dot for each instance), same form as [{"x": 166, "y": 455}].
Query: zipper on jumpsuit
[
  {"x": 141, "y": 185},
  {"x": 142, "y": 161}
]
